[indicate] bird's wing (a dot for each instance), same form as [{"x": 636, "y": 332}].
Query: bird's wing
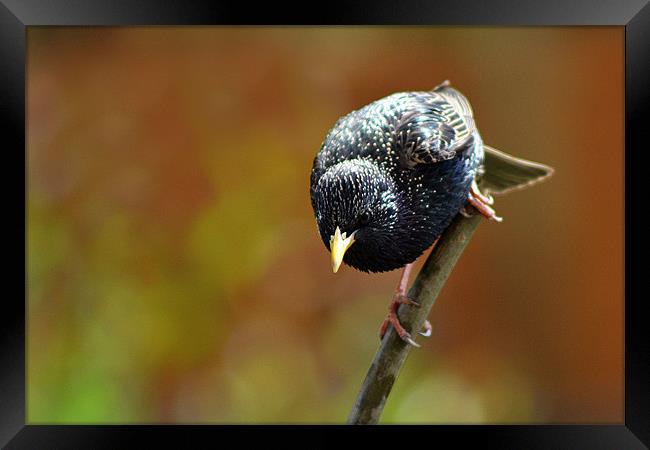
[{"x": 439, "y": 124}]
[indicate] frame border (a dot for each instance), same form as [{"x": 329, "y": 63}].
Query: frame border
[{"x": 634, "y": 15}]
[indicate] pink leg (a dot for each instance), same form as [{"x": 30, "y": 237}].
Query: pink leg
[{"x": 399, "y": 298}]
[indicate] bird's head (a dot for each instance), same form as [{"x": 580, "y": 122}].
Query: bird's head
[{"x": 358, "y": 211}]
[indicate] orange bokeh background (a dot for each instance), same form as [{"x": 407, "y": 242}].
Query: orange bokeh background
[{"x": 174, "y": 269}]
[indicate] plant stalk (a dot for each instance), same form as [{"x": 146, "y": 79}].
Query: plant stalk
[{"x": 392, "y": 353}]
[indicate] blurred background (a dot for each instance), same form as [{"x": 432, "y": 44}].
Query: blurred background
[{"x": 175, "y": 273}]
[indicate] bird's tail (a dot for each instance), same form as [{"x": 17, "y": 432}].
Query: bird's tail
[{"x": 505, "y": 173}]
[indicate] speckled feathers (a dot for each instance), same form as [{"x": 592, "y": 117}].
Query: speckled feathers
[{"x": 395, "y": 173}]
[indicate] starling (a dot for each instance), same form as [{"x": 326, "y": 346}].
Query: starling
[{"x": 391, "y": 176}]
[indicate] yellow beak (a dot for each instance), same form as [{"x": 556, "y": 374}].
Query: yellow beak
[{"x": 339, "y": 244}]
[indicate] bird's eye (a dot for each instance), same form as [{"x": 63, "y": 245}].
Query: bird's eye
[{"x": 364, "y": 218}]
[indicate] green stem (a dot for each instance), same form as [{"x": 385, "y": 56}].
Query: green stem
[{"x": 392, "y": 352}]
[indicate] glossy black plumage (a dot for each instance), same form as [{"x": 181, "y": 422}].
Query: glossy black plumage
[{"x": 395, "y": 173}]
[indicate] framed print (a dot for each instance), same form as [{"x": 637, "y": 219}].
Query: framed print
[{"x": 194, "y": 173}]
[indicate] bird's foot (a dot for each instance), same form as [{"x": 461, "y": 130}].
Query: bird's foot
[
  {"x": 393, "y": 320},
  {"x": 476, "y": 192},
  {"x": 482, "y": 203}
]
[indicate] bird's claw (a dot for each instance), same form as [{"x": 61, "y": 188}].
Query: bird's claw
[
  {"x": 393, "y": 320},
  {"x": 427, "y": 329},
  {"x": 484, "y": 209},
  {"x": 406, "y": 337},
  {"x": 476, "y": 192}
]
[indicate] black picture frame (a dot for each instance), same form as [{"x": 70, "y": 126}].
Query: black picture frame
[{"x": 17, "y": 15}]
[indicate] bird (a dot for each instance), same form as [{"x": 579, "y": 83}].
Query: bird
[{"x": 390, "y": 177}]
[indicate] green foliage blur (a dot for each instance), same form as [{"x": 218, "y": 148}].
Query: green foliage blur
[{"x": 175, "y": 274}]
